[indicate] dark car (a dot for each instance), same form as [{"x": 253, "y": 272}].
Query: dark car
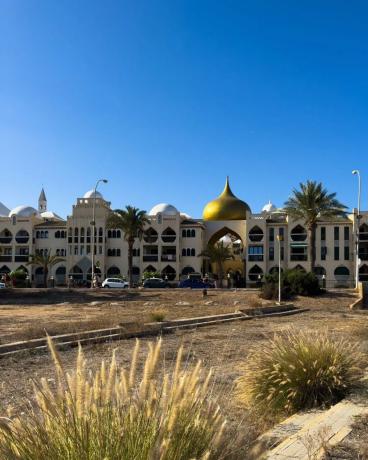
[
  {"x": 195, "y": 283},
  {"x": 155, "y": 283}
]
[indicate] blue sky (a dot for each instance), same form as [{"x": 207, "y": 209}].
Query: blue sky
[{"x": 166, "y": 98}]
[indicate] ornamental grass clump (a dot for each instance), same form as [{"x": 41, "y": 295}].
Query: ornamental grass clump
[
  {"x": 111, "y": 414},
  {"x": 300, "y": 370}
]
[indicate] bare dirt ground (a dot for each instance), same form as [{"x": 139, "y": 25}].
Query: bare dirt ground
[{"x": 223, "y": 347}]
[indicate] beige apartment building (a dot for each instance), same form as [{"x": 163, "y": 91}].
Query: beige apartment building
[{"x": 173, "y": 242}]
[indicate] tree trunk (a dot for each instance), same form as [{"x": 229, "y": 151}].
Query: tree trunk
[
  {"x": 312, "y": 246},
  {"x": 130, "y": 262},
  {"x": 45, "y": 273}
]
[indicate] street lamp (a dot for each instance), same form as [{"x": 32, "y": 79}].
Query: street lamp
[
  {"x": 356, "y": 172},
  {"x": 279, "y": 239},
  {"x": 93, "y": 223}
]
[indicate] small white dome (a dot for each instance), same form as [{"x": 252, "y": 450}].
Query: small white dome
[
  {"x": 163, "y": 208},
  {"x": 91, "y": 194},
  {"x": 50, "y": 215},
  {"x": 269, "y": 207},
  {"x": 184, "y": 215},
  {"x": 23, "y": 211}
]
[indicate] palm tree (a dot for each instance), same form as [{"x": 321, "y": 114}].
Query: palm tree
[
  {"x": 311, "y": 203},
  {"x": 217, "y": 254},
  {"x": 46, "y": 261},
  {"x": 132, "y": 222}
]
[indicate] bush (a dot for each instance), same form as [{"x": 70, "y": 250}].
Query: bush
[
  {"x": 111, "y": 414},
  {"x": 158, "y": 315},
  {"x": 299, "y": 371},
  {"x": 18, "y": 278},
  {"x": 147, "y": 275},
  {"x": 293, "y": 282}
]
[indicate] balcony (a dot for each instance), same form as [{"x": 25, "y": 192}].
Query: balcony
[
  {"x": 363, "y": 255},
  {"x": 5, "y": 239},
  {"x": 168, "y": 258},
  {"x": 298, "y": 257},
  {"x": 255, "y": 258},
  {"x": 6, "y": 258},
  {"x": 150, "y": 257},
  {"x": 21, "y": 258}
]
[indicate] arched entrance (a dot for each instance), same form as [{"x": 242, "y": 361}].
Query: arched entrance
[
  {"x": 233, "y": 267},
  {"x": 169, "y": 273}
]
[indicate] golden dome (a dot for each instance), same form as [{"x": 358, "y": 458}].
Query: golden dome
[{"x": 226, "y": 207}]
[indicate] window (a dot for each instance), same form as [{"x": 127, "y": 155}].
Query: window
[
  {"x": 346, "y": 233},
  {"x": 75, "y": 250},
  {"x": 282, "y": 252},
  {"x": 183, "y": 233},
  {"x": 256, "y": 234},
  {"x": 336, "y": 251},
  {"x": 183, "y": 252},
  {"x": 336, "y": 234},
  {"x": 192, "y": 233},
  {"x": 346, "y": 253},
  {"x": 281, "y": 232},
  {"x": 136, "y": 252},
  {"x": 192, "y": 252},
  {"x": 271, "y": 253},
  {"x": 255, "y": 253},
  {"x": 271, "y": 234},
  {"x": 323, "y": 252},
  {"x": 323, "y": 233}
]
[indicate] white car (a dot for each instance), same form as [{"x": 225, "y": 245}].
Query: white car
[
  {"x": 115, "y": 283},
  {"x": 2, "y": 286}
]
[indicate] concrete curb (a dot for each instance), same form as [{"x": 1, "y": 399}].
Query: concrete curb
[{"x": 150, "y": 329}]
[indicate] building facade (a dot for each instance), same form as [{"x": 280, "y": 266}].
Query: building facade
[{"x": 173, "y": 242}]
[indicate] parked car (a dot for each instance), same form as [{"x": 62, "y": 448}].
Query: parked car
[
  {"x": 2, "y": 286},
  {"x": 115, "y": 283},
  {"x": 155, "y": 283},
  {"x": 195, "y": 283}
]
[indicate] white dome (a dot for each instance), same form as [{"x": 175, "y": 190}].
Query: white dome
[
  {"x": 269, "y": 207},
  {"x": 184, "y": 215},
  {"x": 23, "y": 211},
  {"x": 50, "y": 215},
  {"x": 91, "y": 194},
  {"x": 163, "y": 208},
  {"x": 226, "y": 240}
]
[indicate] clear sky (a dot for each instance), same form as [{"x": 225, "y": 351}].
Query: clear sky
[{"x": 166, "y": 98}]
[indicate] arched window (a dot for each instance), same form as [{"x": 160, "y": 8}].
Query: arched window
[
  {"x": 22, "y": 237},
  {"x": 168, "y": 235},
  {"x": 57, "y": 234},
  {"x": 4, "y": 270},
  {"x": 192, "y": 233},
  {"x": 38, "y": 234},
  {"x": 39, "y": 271},
  {"x": 341, "y": 272},
  {"x": 186, "y": 270},
  {"x": 255, "y": 273},
  {"x": 183, "y": 233},
  {"x": 298, "y": 233},
  {"x": 114, "y": 233},
  {"x": 300, "y": 268},
  {"x": 76, "y": 231},
  {"x": 108, "y": 233},
  {"x": 319, "y": 271},
  {"x": 5, "y": 236},
  {"x": 183, "y": 252},
  {"x": 192, "y": 252},
  {"x": 150, "y": 235},
  {"x": 118, "y": 234},
  {"x": 256, "y": 234},
  {"x": 46, "y": 234}
]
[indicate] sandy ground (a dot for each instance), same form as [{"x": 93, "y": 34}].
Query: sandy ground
[{"x": 223, "y": 347}]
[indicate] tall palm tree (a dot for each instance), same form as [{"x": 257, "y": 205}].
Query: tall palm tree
[
  {"x": 46, "y": 262},
  {"x": 131, "y": 221},
  {"x": 217, "y": 254},
  {"x": 311, "y": 203}
]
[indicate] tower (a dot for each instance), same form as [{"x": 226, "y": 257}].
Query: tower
[{"x": 42, "y": 202}]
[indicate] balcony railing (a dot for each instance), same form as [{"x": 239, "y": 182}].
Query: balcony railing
[
  {"x": 5, "y": 239},
  {"x": 22, "y": 258},
  {"x": 150, "y": 258},
  {"x": 255, "y": 258},
  {"x": 6, "y": 258},
  {"x": 168, "y": 257},
  {"x": 298, "y": 257},
  {"x": 168, "y": 238},
  {"x": 22, "y": 239}
]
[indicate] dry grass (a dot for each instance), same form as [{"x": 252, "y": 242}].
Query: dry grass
[
  {"x": 112, "y": 414},
  {"x": 300, "y": 370}
]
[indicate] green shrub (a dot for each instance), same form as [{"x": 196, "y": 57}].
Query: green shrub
[
  {"x": 147, "y": 275},
  {"x": 298, "y": 371},
  {"x": 111, "y": 414},
  {"x": 18, "y": 278},
  {"x": 293, "y": 282}
]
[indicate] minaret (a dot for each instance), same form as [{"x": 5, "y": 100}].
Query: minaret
[{"x": 42, "y": 202}]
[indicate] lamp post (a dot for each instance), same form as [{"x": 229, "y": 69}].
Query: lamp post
[
  {"x": 279, "y": 239},
  {"x": 356, "y": 172},
  {"x": 93, "y": 223}
]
